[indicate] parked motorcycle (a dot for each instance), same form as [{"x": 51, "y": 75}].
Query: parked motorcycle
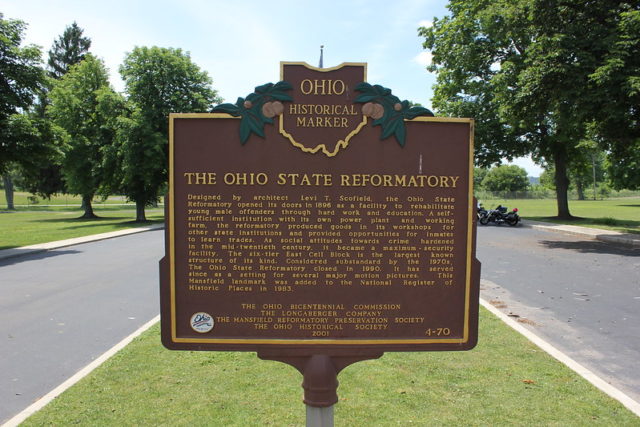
[
  {"x": 499, "y": 216},
  {"x": 481, "y": 212}
]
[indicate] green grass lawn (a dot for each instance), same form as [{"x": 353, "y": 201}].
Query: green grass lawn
[
  {"x": 39, "y": 224},
  {"x": 615, "y": 214},
  {"x": 504, "y": 381}
]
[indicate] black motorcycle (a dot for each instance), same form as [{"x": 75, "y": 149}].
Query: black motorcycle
[
  {"x": 481, "y": 212},
  {"x": 499, "y": 216}
]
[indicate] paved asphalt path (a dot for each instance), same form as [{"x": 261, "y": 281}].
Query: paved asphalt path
[
  {"x": 63, "y": 308},
  {"x": 581, "y": 295}
]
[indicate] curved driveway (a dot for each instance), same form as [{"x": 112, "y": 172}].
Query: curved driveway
[
  {"x": 63, "y": 308},
  {"x": 581, "y": 295}
]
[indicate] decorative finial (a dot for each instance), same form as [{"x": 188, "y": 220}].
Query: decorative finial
[{"x": 321, "y": 49}]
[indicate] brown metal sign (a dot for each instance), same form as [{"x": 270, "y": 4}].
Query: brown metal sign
[{"x": 306, "y": 221}]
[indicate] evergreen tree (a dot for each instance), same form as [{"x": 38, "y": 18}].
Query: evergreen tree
[
  {"x": 67, "y": 50},
  {"x": 70, "y": 48}
]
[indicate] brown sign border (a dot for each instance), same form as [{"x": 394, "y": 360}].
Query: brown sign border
[{"x": 385, "y": 343}]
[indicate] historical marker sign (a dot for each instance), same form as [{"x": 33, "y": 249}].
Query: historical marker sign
[{"x": 320, "y": 214}]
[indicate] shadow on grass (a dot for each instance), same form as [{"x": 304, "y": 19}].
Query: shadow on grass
[
  {"x": 84, "y": 223},
  {"x": 592, "y": 247},
  {"x": 84, "y": 220},
  {"x": 64, "y": 208},
  {"x": 623, "y": 225}
]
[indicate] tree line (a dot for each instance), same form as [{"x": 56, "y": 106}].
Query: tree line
[
  {"x": 555, "y": 79},
  {"x": 66, "y": 130},
  {"x": 588, "y": 180}
]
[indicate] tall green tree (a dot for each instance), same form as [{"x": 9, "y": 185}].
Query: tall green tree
[
  {"x": 615, "y": 109},
  {"x": 523, "y": 69},
  {"x": 82, "y": 103},
  {"x": 21, "y": 76},
  {"x": 69, "y": 49},
  {"x": 465, "y": 59},
  {"x": 158, "y": 81},
  {"x": 136, "y": 161},
  {"x": 46, "y": 178}
]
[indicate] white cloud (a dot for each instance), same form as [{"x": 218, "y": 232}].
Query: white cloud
[
  {"x": 423, "y": 58},
  {"x": 425, "y": 23}
]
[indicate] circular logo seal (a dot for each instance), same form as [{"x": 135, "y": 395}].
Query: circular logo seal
[{"x": 202, "y": 322}]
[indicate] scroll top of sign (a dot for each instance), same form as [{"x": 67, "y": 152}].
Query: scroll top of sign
[{"x": 340, "y": 106}]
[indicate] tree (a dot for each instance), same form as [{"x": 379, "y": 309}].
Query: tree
[
  {"x": 623, "y": 166},
  {"x": 523, "y": 70},
  {"x": 478, "y": 176},
  {"x": 158, "y": 81},
  {"x": 134, "y": 162},
  {"x": 617, "y": 96},
  {"x": 547, "y": 177},
  {"x": 69, "y": 49},
  {"x": 587, "y": 168},
  {"x": 46, "y": 179},
  {"x": 20, "y": 78},
  {"x": 37, "y": 143},
  {"x": 82, "y": 104},
  {"x": 506, "y": 178}
]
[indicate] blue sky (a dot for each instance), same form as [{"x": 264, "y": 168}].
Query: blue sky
[{"x": 241, "y": 43}]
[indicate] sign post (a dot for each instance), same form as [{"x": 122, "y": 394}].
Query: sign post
[{"x": 320, "y": 221}]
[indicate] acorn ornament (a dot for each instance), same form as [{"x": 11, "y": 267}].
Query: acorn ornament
[
  {"x": 272, "y": 109},
  {"x": 267, "y": 110},
  {"x": 373, "y": 110},
  {"x": 278, "y": 108}
]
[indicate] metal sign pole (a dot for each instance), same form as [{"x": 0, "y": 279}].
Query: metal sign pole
[
  {"x": 320, "y": 379},
  {"x": 320, "y": 385},
  {"x": 319, "y": 417}
]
